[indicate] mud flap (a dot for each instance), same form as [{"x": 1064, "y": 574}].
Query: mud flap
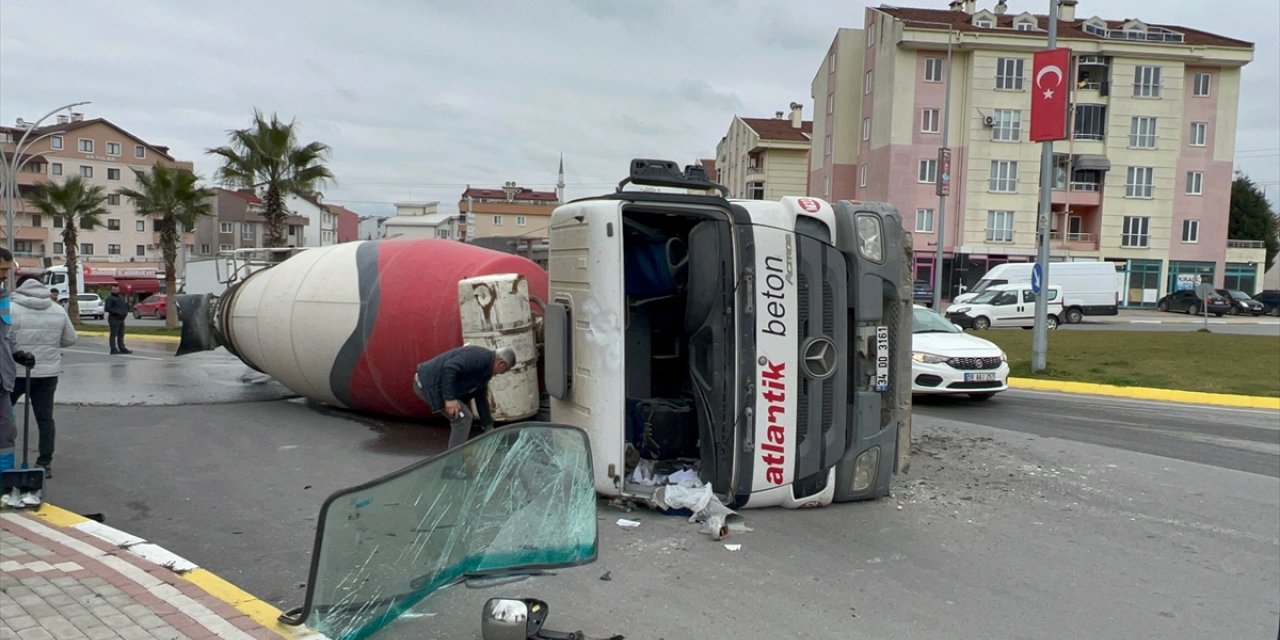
[{"x": 196, "y": 313}]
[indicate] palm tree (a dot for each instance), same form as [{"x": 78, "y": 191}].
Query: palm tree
[
  {"x": 267, "y": 156},
  {"x": 173, "y": 198},
  {"x": 78, "y": 204}
]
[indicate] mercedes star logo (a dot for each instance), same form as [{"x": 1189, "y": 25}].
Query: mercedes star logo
[{"x": 820, "y": 357}]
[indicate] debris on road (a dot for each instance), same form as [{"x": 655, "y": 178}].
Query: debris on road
[{"x": 628, "y": 524}]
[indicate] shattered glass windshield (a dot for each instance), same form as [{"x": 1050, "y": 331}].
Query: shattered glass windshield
[{"x": 514, "y": 500}]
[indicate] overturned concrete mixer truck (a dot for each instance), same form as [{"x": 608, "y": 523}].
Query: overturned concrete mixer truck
[{"x": 764, "y": 345}]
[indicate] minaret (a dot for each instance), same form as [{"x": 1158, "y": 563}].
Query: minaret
[{"x": 560, "y": 182}]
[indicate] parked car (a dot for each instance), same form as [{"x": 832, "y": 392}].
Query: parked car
[
  {"x": 922, "y": 293},
  {"x": 1187, "y": 301},
  {"x": 1270, "y": 300},
  {"x": 1241, "y": 302},
  {"x": 1005, "y": 305},
  {"x": 152, "y": 306},
  {"x": 946, "y": 360},
  {"x": 91, "y": 306}
]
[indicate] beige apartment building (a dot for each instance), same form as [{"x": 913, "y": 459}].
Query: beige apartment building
[
  {"x": 765, "y": 159},
  {"x": 1143, "y": 180},
  {"x": 105, "y": 155},
  {"x": 237, "y": 223}
]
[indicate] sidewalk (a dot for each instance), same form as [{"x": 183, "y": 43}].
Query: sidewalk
[{"x": 64, "y": 577}]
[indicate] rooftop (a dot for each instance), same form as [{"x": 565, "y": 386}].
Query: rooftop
[
  {"x": 780, "y": 129},
  {"x": 518, "y": 194}
]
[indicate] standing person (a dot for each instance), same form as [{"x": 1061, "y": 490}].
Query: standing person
[
  {"x": 116, "y": 309},
  {"x": 10, "y": 358},
  {"x": 53, "y": 294},
  {"x": 450, "y": 380},
  {"x": 41, "y": 327}
]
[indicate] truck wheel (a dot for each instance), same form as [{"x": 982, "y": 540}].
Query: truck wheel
[
  {"x": 1074, "y": 316},
  {"x": 981, "y": 323}
]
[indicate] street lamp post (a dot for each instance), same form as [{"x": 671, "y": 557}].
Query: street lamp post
[{"x": 10, "y": 177}]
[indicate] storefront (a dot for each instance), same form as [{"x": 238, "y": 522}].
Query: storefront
[{"x": 1241, "y": 276}]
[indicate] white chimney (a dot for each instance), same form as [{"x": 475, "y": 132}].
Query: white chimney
[
  {"x": 1001, "y": 7},
  {"x": 969, "y": 6},
  {"x": 797, "y": 120},
  {"x": 64, "y": 119},
  {"x": 777, "y": 115},
  {"x": 1067, "y": 10},
  {"x": 956, "y": 5},
  {"x": 76, "y": 116}
]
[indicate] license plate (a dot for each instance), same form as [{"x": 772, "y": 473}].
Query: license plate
[
  {"x": 979, "y": 377},
  {"x": 882, "y": 359}
]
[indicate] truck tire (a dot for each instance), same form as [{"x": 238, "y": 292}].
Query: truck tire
[{"x": 1073, "y": 316}]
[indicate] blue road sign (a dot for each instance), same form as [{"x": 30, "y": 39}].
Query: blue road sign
[{"x": 1037, "y": 278}]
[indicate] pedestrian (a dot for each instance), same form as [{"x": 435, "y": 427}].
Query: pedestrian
[
  {"x": 10, "y": 358},
  {"x": 53, "y": 294},
  {"x": 42, "y": 328},
  {"x": 116, "y": 309},
  {"x": 450, "y": 380}
]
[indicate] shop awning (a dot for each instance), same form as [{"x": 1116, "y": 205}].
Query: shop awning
[
  {"x": 1092, "y": 162},
  {"x": 139, "y": 286},
  {"x": 91, "y": 280}
]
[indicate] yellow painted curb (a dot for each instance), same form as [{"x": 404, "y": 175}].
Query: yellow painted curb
[
  {"x": 257, "y": 610},
  {"x": 141, "y": 337},
  {"x": 1147, "y": 393}
]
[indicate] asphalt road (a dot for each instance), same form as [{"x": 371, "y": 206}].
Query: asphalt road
[{"x": 1029, "y": 516}]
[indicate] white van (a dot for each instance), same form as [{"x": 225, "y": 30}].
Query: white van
[
  {"x": 1090, "y": 288},
  {"x": 1005, "y": 305}
]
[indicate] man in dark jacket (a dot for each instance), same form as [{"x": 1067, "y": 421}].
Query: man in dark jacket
[
  {"x": 450, "y": 380},
  {"x": 116, "y": 309}
]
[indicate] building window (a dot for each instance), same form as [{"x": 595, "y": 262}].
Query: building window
[
  {"x": 1091, "y": 122},
  {"x": 1139, "y": 182},
  {"x": 831, "y": 103},
  {"x": 36, "y": 220},
  {"x": 933, "y": 69},
  {"x": 113, "y": 148},
  {"x": 113, "y": 249},
  {"x": 225, "y": 227},
  {"x": 999, "y": 226},
  {"x": 521, "y": 221},
  {"x": 205, "y": 249},
  {"x": 1142, "y": 132},
  {"x": 1009, "y": 74},
  {"x": 1135, "y": 232},
  {"x": 140, "y": 225},
  {"x": 826, "y": 145},
  {"x": 139, "y": 151},
  {"x": 1008, "y": 125},
  {"x": 862, "y": 176},
  {"x": 831, "y": 62},
  {"x": 983, "y": 24},
  {"x": 113, "y": 174},
  {"x": 55, "y": 142},
  {"x": 755, "y": 191},
  {"x": 1025, "y": 26},
  {"x": 929, "y": 121},
  {"x": 1195, "y": 183},
  {"x": 871, "y": 34},
  {"x": 1004, "y": 176},
  {"x": 57, "y": 222},
  {"x": 1190, "y": 231},
  {"x": 1199, "y": 133},
  {"x": 497, "y": 221},
  {"x": 246, "y": 231},
  {"x": 57, "y": 248},
  {"x": 86, "y": 146},
  {"x": 86, "y": 248},
  {"x": 868, "y": 81},
  {"x": 223, "y": 247},
  {"x": 113, "y": 198},
  {"x": 928, "y": 171},
  {"x": 924, "y": 220},
  {"x": 86, "y": 172},
  {"x": 1200, "y": 85},
  {"x": 87, "y": 224},
  {"x": 866, "y": 128},
  {"x": 55, "y": 169},
  {"x": 113, "y": 224},
  {"x": 1146, "y": 82},
  {"x": 826, "y": 186}
]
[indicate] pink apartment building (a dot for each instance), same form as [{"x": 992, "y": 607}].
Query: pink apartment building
[{"x": 1143, "y": 180}]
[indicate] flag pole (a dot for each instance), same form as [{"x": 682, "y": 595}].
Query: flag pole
[{"x": 1040, "y": 334}]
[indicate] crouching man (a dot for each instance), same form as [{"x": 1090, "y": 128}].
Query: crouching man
[{"x": 450, "y": 380}]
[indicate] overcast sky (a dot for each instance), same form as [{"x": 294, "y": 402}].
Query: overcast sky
[{"x": 419, "y": 98}]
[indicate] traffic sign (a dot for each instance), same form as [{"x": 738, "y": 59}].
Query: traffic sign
[{"x": 1037, "y": 278}]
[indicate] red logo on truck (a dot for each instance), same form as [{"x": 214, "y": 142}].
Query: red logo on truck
[
  {"x": 809, "y": 204},
  {"x": 774, "y": 386}
]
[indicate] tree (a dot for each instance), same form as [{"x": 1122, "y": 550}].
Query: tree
[
  {"x": 1252, "y": 217},
  {"x": 267, "y": 156},
  {"x": 79, "y": 205},
  {"x": 173, "y": 198}
]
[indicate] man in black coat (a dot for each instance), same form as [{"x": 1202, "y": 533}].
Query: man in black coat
[
  {"x": 450, "y": 380},
  {"x": 116, "y": 309}
]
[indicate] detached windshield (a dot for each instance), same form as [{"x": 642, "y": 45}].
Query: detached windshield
[
  {"x": 513, "y": 500},
  {"x": 927, "y": 321}
]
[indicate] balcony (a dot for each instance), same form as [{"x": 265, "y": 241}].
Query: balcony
[
  {"x": 1081, "y": 194},
  {"x": 1073, "y": 241},
  {"x": 755, "y": 170}
]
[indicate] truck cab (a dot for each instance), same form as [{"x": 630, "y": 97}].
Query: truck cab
[{"x": 762, "y": 345}]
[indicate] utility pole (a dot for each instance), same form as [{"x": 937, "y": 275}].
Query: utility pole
[
  {"x": 1040, "y": 334},
  {"x": 944, "y": 182}
]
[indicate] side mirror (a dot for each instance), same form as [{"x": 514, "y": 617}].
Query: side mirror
[{"x": 511, "y": 619}]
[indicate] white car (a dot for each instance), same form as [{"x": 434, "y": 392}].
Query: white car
[
  {"x": 91, "y": 306},
  {"x": 946, "y": 360}
]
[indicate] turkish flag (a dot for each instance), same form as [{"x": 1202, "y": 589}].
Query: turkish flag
[{"x": 1050, "y": 95}]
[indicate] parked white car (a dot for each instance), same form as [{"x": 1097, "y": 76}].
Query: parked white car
[
  {"x": 946, "y": 360},
  {"x": 91, "y": 306}
]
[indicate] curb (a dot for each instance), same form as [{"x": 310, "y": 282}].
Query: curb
[
  {"x": 1147, "y": 393},
  {"x": 144, "y": 337},
  {"x": 259, "y": 611}
]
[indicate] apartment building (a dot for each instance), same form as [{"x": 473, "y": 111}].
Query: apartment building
[
  {"x": 421, "y": 220},
  {"x": 1143, "y": 180},
  {"x": 763, "y": 158},
  {"x": 348, "y": 222},
  {"x": 237, "y": 223},
  {"x": 105, "y": 155},
  {"x": 512, "y": 210}
]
